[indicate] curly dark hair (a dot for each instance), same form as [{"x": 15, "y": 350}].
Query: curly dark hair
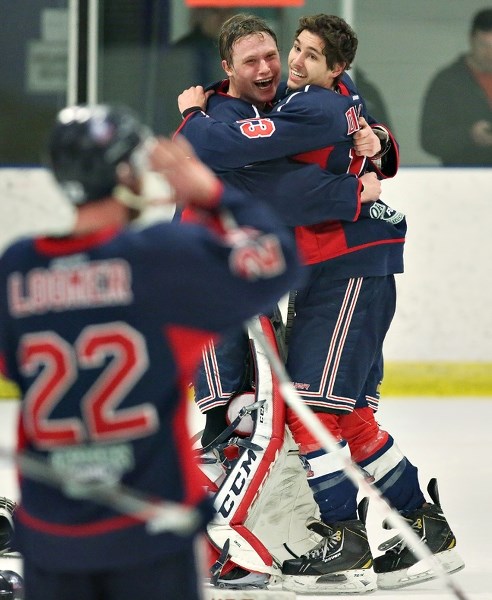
[
  {"x": 340, "y": 41},
  {"x": 240, "y": 26}
]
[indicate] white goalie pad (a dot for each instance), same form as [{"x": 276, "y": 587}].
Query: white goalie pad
[{"x": 264, "y": 502}]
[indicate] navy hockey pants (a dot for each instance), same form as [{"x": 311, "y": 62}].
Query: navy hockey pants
[{"x": 335, "y": 350}]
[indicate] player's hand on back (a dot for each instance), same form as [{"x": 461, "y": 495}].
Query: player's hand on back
[
  {"x": 366, "y": 142},
  {"x": 372, "y": 187},
  {"x": 193, "y": 182},
  {"x": 194, "y": 96}
]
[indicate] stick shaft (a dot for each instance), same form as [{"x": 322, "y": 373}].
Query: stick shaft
[
  {"x": 159, "y": 515},
  {"x": 352, "y": 470}
]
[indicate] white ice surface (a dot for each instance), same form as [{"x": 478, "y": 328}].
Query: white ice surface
[{"x": 447, "y": 438}]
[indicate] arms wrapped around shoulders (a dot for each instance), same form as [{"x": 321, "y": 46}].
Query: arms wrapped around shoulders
[
  {"x": 309, "y": 119},
  {"x": 239, "y": 245}
]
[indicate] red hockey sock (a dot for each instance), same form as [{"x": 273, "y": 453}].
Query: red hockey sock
[
  {"x": 304, "y": 438},
  {"x": 362, "y": 433}
]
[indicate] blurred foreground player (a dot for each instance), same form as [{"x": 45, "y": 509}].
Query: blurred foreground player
[{"x": 101, "y": 330}]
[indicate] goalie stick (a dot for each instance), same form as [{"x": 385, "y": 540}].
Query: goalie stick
[
  {"x": 159, "y": 515},
  {"x": 352, "y": 470}
]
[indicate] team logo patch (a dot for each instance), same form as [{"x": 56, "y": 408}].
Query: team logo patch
[
  {"x": 352, "y": 116},
  {"x": 261, "y": 258},
  {"x": 379, "y": 210}
]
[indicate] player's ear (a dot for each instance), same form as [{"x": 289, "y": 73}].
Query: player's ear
[
  {"x": 338, "y": 69},
  {"x": 227, "y": 68}
]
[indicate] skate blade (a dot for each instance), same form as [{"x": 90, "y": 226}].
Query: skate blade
[
  {"x": 223, "y": 594},
  {"x": 360, "y": 581},
  {"x": 450, "y": 561}
]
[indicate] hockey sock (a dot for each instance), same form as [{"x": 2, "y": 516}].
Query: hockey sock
[
  {"x": 333, "y": 492},
  {"x": 362, "y": 433},
  {"x": 395, "y": 476},
  {"x": 374, "y": 450}
]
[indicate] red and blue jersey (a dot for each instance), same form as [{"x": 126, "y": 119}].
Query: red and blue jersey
[
  {"x": 312, "y": 125},
  {"x": 102, "y": 334},
  {"x": 301, "y": 193}
]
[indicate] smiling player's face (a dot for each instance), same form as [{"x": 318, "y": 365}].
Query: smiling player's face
[
  {"x": 307, "y": 63},
  {"x": 256, "y": 70}
]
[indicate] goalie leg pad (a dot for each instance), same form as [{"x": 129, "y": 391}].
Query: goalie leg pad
[
  {"x": 263, "y": 504},
  {"x": 238, "y": 494}
]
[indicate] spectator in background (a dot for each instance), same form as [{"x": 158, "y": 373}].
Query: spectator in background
[
  {"x": 192, "y": 59},
  {"x": 457, "y": 113},
  {"x": 201, "y": 41},
  {"x": 376, "y": 106}
]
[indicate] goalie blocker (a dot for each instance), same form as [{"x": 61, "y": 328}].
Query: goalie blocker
[{"x": 262, "y": 497}]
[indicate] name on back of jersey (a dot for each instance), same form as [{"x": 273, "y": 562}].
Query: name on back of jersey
[{"x": 86, "y": 285}]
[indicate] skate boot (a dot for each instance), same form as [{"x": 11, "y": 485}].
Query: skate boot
[
  {"x": 398, "y": 567},
  {"x": 341, "y": 563},
  {"x": 7, "y": 508}
]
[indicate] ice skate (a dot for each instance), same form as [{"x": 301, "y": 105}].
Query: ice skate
[
  {"x": 236, "y": 578},
  {"x": 241, "y": 579},
  {"x": 7, "y": 508},
  {"x": 341, "y": 563},
  {"x": 398, "y": 567}
]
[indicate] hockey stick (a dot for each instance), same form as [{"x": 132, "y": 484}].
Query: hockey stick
[
  {"x": 352, "y": 470},
  {"x": 159, "y": 515}
]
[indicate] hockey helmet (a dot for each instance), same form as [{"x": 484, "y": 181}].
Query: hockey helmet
[
  {"x": 88, "y": 143},
  {"x": 11, "y": 586}
]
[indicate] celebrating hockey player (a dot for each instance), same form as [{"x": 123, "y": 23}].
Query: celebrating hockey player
[
  {"x": 342, "y": 315},
  {"x": 101, "y": 330}
]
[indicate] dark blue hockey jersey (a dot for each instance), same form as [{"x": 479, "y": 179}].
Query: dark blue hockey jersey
[
  {"x": 102, "y": 334},
  {"x": 302, "y": 194},
  {"x": 312, "y": 125}
]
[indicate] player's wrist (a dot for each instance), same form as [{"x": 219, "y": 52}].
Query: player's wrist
[
  {"x": 190, "y": 110},
  {"x": 212, "y": 197},
  {"x": 384, "y": 138}
]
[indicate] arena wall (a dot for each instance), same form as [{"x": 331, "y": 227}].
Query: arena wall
[{"x": 441, "y": 339}]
